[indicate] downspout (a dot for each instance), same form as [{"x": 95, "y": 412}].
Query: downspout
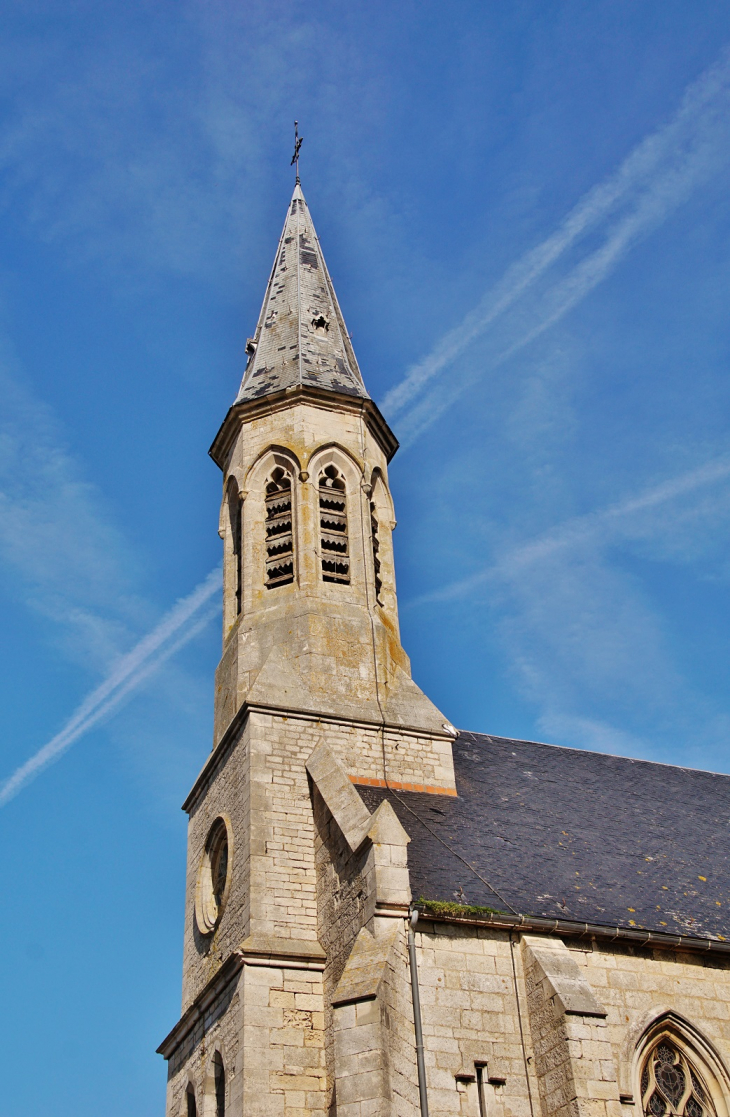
[{"x": 423, "y": 1096}]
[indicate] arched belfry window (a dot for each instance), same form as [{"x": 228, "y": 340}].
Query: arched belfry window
[
  {"x": 219, "y": 1080},
  {"x": 234, "y": 520},
  {"x": 376, "y": 548},
  {"x": 191, "y": 1108},
  {"x": 334, "y": 545},
  {"x": 671, "y": 1086},
  {"x": 279, "y": 528}
]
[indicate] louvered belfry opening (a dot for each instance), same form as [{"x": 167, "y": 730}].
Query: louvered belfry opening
[
  {"x": 376, "y": 548},
  {"x": 279, "y": 529},
  {"x": 333, "y": 526}
]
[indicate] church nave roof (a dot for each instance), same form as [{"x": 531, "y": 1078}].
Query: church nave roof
[{"x": 574, "y": 835}]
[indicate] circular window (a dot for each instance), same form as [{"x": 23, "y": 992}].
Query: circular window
[{"x": 213, "y": 877}]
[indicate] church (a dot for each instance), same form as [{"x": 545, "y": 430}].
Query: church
[{"x": 385, "y": 915}]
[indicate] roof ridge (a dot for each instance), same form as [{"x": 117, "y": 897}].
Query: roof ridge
[{"x": 592, "y": 752}]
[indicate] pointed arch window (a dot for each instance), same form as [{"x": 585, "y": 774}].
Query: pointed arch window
[
  {"x": 191, "y": 1108},
  {"x": 219, "y": 1081},
  {"x": 235, "y": 526},
  {"x": 279, "y": 528},
  {"x": 333, "y": 537},
  {"x": 671, "y": 1086},
  {"x": 376, "y": 548}
]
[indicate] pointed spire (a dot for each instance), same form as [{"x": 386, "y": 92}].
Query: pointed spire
[{"x": 301, "y": 339}]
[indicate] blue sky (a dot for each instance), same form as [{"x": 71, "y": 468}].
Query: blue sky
[{"x": 524, "y": 210}]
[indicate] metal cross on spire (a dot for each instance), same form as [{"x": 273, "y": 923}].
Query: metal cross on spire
[{"x": 298, "y": 141}]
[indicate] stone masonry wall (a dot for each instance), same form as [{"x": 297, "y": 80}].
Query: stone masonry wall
[
  {"x": 577, "y": 1062},
  {"x": 261, "y": 785},
  {"x": 470, "y": 1016},
  {"x": 203, "y": 955},
  {"x": 284, "y": 1065},
  {"x": 371, "y": 755},
  {"x": 219, "y": 1029},
  {"x": 283, "y": 879},
  {"x": 267, "y": 1025},
  {"x": 635, "y": 985},
  {"x": 587, "y": 1064},
  {"x": 374, "y": 754}
]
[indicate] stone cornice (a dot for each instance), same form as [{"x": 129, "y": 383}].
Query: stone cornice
[
  {"x": 567, "y": 928},
  {"x": 256, "y": 950},
  {"x": 273, "y": 950},
  {"x": 201, "y": 1004},
  {"x": 290, "y": 397}
]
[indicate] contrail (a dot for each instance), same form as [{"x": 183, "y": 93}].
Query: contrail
[
  {"x": 660, "y": 198},
  {"x": 186, "y": 618},
  {"x": 653, "y": 180},
  {"x": 583, "y": 528}
]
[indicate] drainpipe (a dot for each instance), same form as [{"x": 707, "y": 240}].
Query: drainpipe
[{"x": 417, "y": 1015}]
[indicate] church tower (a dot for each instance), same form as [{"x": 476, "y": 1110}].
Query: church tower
[{"x": 297, "y": 896}]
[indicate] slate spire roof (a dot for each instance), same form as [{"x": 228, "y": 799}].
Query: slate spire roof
[{"x": 301, "y": 339}]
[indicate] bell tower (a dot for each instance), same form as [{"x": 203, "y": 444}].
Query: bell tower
[
  {"x": 310, "y": 610},
  {"x": 313, "y": 695}
]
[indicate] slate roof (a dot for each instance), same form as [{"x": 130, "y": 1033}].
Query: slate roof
[
  {"x": 301, "y": 339},
  {"x": 573, "y": 835}
]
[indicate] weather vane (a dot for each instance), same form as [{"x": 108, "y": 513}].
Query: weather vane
[{"x": 298, "y": 140}]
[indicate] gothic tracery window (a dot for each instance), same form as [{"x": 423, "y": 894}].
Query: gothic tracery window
[
  {"x": 334, "y": 544},
  {"x": 279, "y": 529},
  {"x": 671, "y": 1086}
]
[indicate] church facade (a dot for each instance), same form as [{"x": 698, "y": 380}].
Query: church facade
[{"x": 385, "y": 915}]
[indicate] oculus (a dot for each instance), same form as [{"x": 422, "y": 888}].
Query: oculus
[{"x": 213, "y": 877}]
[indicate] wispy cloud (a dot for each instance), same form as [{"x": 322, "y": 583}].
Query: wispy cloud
[
  {"x": 60, "y": 552},
  {"x": 141, "y": 148},
  {"x": 600, "y": 526},
  {"x": 56, "y": 536},
  {"x": 184, "y": 621},
  {"x": 657, "y": 176},
  {"x": 582, "y": 636}
]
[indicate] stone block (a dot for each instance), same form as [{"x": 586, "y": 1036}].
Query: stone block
[{"x": 360, "y": 1087}]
